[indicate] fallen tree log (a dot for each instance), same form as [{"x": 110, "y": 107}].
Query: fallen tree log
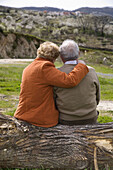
[{"x": 23, "y": 145}]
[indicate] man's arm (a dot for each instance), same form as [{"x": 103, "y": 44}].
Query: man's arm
[
  {"x": 96, "y": 82},
  {"x": 98, "y": 92},
  {"x": 55, "y": 77}
]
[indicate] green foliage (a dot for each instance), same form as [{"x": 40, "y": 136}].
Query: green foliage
[{"x": 104, "y": 119}]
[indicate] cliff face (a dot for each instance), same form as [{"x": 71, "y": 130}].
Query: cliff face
[{"x": 15, "y": 45}]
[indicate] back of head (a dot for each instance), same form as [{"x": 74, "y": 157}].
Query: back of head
[
  {"x": 69, "y": 50},
  {"x": 48, "y": 50}
]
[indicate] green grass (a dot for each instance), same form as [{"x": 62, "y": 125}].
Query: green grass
[
  {"x": 104, "y": 119},
  {"x": 98, "y": 57},
  {"x": 10, "y": 80},
  {"x": 58, "y": 64},
  {"x": 11, "y": 112},
  {"x": 106, "y": 85},
  {"x": 106, "y": 82},
  {"x": 10, "y": 77},
  {"x": 102, "y": 68},
  {"x": 6, "y": 104}
]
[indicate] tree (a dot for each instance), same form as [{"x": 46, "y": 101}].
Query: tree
[
  {"x": 61, "y": 147},
  {"x": 93, "y": 22},
  {"x": 99, "y": 23},
  {"x": 84, "y": 22}
]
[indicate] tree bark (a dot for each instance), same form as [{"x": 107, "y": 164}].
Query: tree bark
[{"x": 23, "y": 145}]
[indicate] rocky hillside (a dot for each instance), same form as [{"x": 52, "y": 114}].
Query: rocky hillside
[
  {"x": 86, "y": 30},
  {"x": 15, "y": 45}
]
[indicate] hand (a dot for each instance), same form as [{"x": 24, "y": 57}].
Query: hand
[{"x": 81, "y": 61}]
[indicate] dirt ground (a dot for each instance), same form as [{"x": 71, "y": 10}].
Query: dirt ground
[
  {"x": 105, "y": 105},
  {"x": 14, "y": 61}
]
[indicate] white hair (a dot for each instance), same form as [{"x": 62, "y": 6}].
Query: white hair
[{"x": 69, "y": 50}]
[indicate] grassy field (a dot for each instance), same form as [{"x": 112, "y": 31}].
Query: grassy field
[{"x": 10, "y": 80}]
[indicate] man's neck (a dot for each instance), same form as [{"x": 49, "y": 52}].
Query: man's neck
[{"x": 71, "y": 62}]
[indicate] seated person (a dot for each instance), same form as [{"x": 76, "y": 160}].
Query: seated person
[
  {"x": 77, "y": 105},
  {"x": 36, "y": 103}
]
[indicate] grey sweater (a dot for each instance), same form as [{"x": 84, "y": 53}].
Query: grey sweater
[{"x": 79, "y": 102}]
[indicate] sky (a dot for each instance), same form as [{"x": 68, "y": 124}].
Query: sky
[{"x": 65, "y": 4}]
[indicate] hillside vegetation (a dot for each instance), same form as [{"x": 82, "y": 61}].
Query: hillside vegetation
[{"x": 87, "y": 30}]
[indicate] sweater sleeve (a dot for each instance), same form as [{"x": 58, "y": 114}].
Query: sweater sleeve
[
  {"x": 96, "y": 82},
  {"x": 97, "y": 91},
  {"x": 55, "y": 77}
]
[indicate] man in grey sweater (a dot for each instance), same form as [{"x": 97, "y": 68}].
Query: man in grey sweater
[{"x": 78, "y": 104}]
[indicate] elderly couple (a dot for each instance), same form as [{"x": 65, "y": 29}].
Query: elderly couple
[{"x": 68, "y": 95}]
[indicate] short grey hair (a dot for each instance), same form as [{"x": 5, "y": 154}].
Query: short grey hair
[{"x": 69, "y": 50}]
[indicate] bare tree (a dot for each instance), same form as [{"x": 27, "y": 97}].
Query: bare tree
[
  {"x": 83, "y": 22},
  {"x": 88, "y": 23},
  {"x": 99, "y": 23}
]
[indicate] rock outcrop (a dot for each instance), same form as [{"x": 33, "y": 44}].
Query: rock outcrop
[{"x": 16, "y": 45}]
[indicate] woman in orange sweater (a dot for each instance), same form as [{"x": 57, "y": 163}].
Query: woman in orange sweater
[{"x": 36, "y": 103}]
